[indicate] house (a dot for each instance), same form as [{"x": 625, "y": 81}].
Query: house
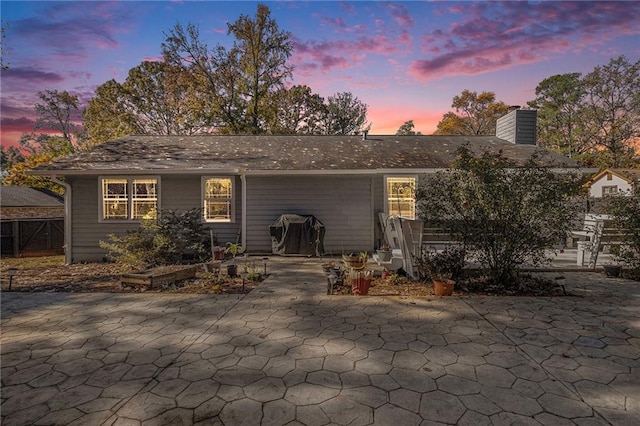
[
  {"x": 31, "y": 221},
  {"x": 613, "y": 182},
  {"x": 245, "y": 183}
]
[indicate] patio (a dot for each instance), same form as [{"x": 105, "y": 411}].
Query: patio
[{"x": 288, "y": 354}]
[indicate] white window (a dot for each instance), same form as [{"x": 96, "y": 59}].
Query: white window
[
  {"x": 401, "y": 196},
  {"x": 609, "y": 190},
  {"x": 217, "y": 195},
  {"x": 129, "y": 199}
]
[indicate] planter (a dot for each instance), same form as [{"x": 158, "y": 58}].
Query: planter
[
  {"x": 385, "y": 274},
  {"x": 612, "y": 271},
  {"x": 360, "y": 286},
  {"x": 158, "y": 277},
  {"x": 443, "y": 287},
  {"x": 218, "y": 254},
  {"x": 355, "y": 262},
  {"x": 232, "y": 270},
  {"x": 384, "y": 255}
]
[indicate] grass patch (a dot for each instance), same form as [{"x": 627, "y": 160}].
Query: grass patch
[{"x": 24, "y": 263}]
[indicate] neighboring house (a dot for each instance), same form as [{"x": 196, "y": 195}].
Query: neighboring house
[
  {"x": 32, "y": 221},
  {"x": 244, "y": 183},
  {"x": 613, "y": 182}
]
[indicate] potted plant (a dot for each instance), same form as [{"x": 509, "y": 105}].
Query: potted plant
[
  {"x": 443, "y": 268},
  {"x": 357, "y": 261},
  {"x": 218, "y": 253},
  {"x": 234, "y": 249},
  {"x": 442, "y": 284},
  {"x": 384, "y": 253},
  {"x": 360, "y": 282}
]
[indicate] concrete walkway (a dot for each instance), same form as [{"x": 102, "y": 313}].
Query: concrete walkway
[{"x": 286, "y": 354}]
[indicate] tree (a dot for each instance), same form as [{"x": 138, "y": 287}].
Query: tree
[
  {"x": 345, "y": 115},
  {"x": 42, "y": 149},
  {"x": 55, "y": 112},
  {"x": 407, "y": 129},
  {"x": 613, "y": 110},
  {"x": 475, "y": 114},
  {"x": 9, "y": 157},
  {"x": 295, "y": 111},
  {"x": 504, "y": 214},
  {"x": 3, "y": 62},
  {"x": 107, "y": 116},
  {"x": 560, "y": 101},
  {"x": 240, "y": 79}
]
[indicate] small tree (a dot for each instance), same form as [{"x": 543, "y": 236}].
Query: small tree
[
  {"x": 504, "y": 214},
  {"x": 626, "y": 216}
]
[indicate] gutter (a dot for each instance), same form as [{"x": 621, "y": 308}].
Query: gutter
[
  {"x": 243, "y": 219},
  {"x": 68, "y": 255}
]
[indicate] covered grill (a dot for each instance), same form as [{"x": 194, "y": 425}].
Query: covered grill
[{"x": 296, "y": 234}]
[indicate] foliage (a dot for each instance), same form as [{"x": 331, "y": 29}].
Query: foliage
[
  {"x": 295, "y": 111},
  {"x": 503, "y": 213},
  {"x": 240, "y": 79},
  {"x": 560, "y": 105},
  {"x": 9, "y": 157},
  {"x": 161, "y": 242},
  {"x": 475, "y": 114},
  {"x": 3, "y": 62},
  {"x": 56, "y": 111},
  {"x": 407, "y": 129},
  {"x": 595, "y": 118},
  {"x": 447, "y": 263},
  {"x": 345, "y": 115},
  {"x": 234, "y": 249},
  {"x": 626, "y": 216},
  {"x": 41, "y": 149}
]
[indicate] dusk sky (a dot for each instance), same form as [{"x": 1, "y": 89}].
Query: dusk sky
[{"x": 405, "y": 60}]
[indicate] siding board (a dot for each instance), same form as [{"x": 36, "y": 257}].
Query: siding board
[{"x": 342, "y": 204}]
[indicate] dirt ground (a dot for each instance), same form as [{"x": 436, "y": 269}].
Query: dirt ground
[{"x": 49, "y": 274}]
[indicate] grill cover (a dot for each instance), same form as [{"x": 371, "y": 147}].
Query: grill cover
[{"x": 295, "y": 234}]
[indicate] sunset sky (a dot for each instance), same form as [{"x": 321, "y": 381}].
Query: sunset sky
[{"x": 405, "y": 60}]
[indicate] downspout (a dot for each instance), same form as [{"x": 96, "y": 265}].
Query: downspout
[
  {"x": 243, "y": 219},
  {"x": 67, "y": 219}
]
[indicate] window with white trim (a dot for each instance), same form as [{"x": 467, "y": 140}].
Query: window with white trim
[
  {"x": 217, "y": 195},
  {"x": 609, "y": 190},
  {"x": 129, "y": 198},
  {"x": 401, "y": 197}
]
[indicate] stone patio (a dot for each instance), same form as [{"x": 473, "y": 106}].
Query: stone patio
[{"x": 287, "y": 354}]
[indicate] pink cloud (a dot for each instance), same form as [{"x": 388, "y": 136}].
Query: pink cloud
[
  {"x": 495, "y": 36},
  {"x": 401, "y": 15}
]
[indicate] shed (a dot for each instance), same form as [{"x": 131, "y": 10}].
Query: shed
[{"x": 31, "y": 221}]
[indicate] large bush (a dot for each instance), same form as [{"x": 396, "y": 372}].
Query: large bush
[
  {"x": 171, "y": 239},
  {"x": 626, "y": 216},
  {"x": 505, "y": 214}
]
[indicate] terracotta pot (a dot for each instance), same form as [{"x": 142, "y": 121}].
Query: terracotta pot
[
  {"x": 385, "y": 274},
  {"x": 360, "y": 286},
  {"x": 443, "y": 287},
  {"x": 218, "y": 255}
]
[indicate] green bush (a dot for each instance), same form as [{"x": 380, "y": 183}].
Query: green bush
[
  {"x": 505, "y": 214},
  {"x": 625, "y": 211},
  {"x": 170, "y": 239}
]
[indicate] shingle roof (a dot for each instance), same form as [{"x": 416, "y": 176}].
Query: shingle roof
[
  {"x": 286, "y": 153},
  {"x": 16, "y": 196}
]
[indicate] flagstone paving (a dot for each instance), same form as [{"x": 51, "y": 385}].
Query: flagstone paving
[{"x": 287, "y": 354}]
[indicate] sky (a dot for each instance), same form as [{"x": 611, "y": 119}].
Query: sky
[{"x": 405, "y": 60}]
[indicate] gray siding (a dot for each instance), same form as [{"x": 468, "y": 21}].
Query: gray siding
[
  {"x": 342, "y": 203},
  {"x": 177, "y": 193},
  {"x": 518, "y": 127}
]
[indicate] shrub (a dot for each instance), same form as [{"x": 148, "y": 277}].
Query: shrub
[
  {"x": 503, "y": 213},
  {"x": 447, "y": 263},
  {"x": 165, "y": 241},
  {"x": 625, "y": 211}
]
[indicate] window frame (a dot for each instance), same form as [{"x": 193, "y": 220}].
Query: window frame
[
  {"x": 609, "y": 190},
  {"x": 386, "y": 193},
  {"x": 231, "y": 199},
  {"x": 129, "y": 197}
]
